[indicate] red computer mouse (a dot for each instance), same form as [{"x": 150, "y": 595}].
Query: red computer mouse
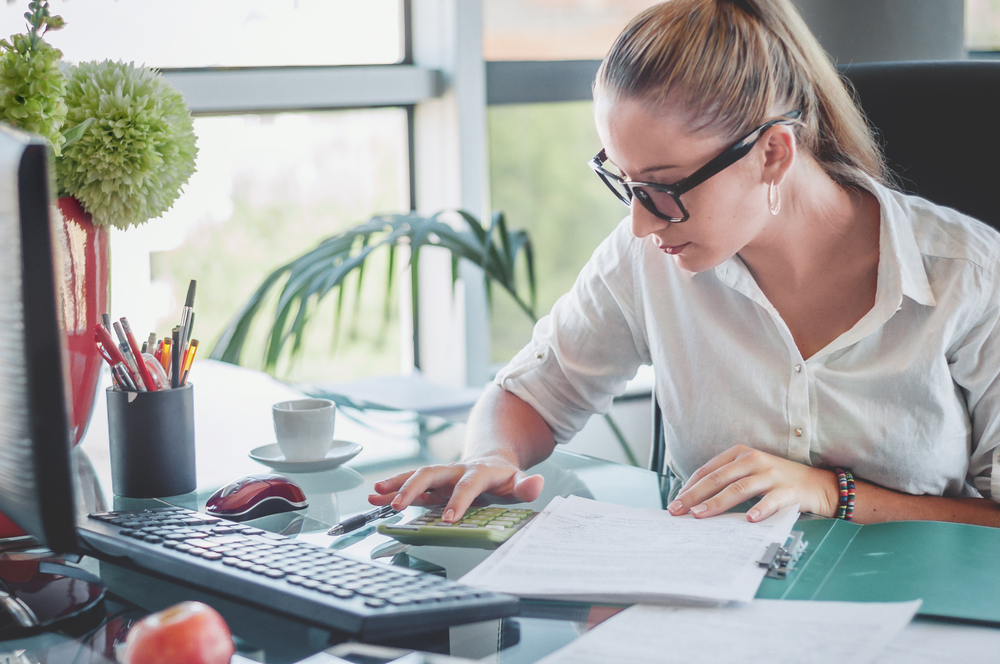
[{"x": 255, "y": 496}]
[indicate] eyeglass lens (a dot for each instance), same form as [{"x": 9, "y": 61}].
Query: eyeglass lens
[{"x": 652, "y": 199}]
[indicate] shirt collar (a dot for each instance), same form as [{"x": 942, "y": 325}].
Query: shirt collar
[{"x": 899, "y": 256}]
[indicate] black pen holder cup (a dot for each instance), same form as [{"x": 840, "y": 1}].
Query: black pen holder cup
[{"x": 152, "y": 442}]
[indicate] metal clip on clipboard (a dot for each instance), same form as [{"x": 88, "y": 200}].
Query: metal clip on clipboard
[{"x": 779, "y": 559}]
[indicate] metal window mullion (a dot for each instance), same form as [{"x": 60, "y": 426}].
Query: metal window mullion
[{"x": 218, "y": 91}]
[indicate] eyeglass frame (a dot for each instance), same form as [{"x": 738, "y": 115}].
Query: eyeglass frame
[{"x": 716, "y": 165}]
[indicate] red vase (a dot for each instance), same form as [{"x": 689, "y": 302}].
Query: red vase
[{"x": 84, "y": 296}]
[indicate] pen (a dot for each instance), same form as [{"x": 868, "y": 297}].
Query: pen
[
  {"x": 137, "y": 353},
  {"x": 175, "y": 358},
  {"x": 360, "y": 520},
  {"x": 123, "y": 376},
  {"x": 130, "y": 362},
  {"x": 109, "y": 344},
  {"x": 187, "y": 312},
  {"x": 355, "y": 536}
]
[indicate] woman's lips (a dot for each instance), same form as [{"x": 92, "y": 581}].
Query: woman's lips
[{"x": 675, "y": 249}]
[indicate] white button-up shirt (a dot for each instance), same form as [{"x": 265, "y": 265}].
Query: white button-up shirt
[{"x": 908, "y": 398}]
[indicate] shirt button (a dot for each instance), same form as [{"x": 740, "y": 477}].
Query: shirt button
[
  {"x": 538, "y": 355},
  {"x": 798, "y": 368},
  {"x": 798, "y": 432}
]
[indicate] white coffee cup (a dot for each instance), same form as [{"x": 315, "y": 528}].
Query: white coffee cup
[{"x": 304, "y": 428}]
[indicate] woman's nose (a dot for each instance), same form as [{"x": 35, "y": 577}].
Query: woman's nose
[{"x": 644, "y": 222}]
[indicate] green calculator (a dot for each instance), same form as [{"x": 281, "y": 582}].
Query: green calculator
[{"x": 480, "y": 527}]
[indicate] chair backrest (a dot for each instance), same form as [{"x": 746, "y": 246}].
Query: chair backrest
[{"x": 939, "y": 125}]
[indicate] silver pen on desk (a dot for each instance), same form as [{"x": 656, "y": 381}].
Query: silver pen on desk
[{"x": 355, "y": 522}]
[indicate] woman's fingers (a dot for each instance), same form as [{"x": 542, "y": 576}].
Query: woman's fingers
[
  {"x": 718, "y": 461},
  {"x": 500, "y": 479},
  {"x": 729, "y": 478},
  {"x": 742, "y": 473},
  {"x": 529, "y": 489},
  {"x": 458, "y": 484},
  {"x": 731, "y": 495},
  {"x": 423, "y": 479},
  {"x": 392, "y": 484}
]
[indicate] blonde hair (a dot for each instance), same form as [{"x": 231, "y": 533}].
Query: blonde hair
[{"x": 729, "y": 63}]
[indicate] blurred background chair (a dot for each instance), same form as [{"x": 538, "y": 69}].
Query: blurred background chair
[{"x": 938, "y": 123}]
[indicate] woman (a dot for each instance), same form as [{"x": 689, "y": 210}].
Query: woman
[{"x": 812, "y": 330}]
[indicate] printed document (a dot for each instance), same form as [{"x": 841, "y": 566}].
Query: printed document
[
  {"x": 584, "y": 550},
  {"x": 762, "y": 632}
]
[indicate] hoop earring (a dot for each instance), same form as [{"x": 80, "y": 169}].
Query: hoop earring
[{"x": 773, "y": 198}]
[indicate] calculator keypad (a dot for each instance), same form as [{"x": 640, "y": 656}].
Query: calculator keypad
[{"x": 485, "y": 527}]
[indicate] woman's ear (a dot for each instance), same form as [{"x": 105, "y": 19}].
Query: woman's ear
[{"x": 779, "y": 153}]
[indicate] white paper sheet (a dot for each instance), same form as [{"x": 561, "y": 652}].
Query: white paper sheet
[
  {"x": 586, "y": 550},
  {"x": 762, "y": 632},
  {"x": 926, "y": 642}
]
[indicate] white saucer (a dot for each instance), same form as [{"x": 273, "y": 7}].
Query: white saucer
[{"x": 271, "y": 456}]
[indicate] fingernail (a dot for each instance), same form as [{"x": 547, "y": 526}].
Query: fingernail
[
  {"x": 698, "y": 509},
  {"x": 674, "y": 506},
  {"x": 449, "y": 515},
  {"x": 753, "y": 514},
  {"x": 397, "y": 503}
]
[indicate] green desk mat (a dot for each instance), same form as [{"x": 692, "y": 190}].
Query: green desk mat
[{"x": 954, "y": 568}]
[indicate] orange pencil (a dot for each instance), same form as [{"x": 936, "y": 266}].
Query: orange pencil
[
  {"x": 165, "y": 355},
  {"x": 188, "y": 360}
]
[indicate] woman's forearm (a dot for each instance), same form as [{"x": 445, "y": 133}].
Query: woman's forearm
[
  {"x": 873, "y": 504},
  {"x": 502, "y": 424}
]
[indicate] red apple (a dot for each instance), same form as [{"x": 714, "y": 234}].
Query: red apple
[{"x": 185, "y": 633}]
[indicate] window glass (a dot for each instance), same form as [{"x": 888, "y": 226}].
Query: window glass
[
  {"x": 222, "y": 33},
  {"x": 540, "y": 179},
  {"x": 268, "y": 188},
  {"x": 554, "y": 29},
  {"x": 982, "y": 25}
]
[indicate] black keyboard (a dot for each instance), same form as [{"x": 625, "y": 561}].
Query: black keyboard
[{"x": 310, "y": 583}]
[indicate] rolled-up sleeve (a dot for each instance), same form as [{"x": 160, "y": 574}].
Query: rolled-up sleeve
[{"x": 583, "y": 353}]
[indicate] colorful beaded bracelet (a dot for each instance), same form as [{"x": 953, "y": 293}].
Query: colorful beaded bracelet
[{"x": 845, "y": 507}]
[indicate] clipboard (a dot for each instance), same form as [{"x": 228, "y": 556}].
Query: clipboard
[{"x": 953, "y": 567}]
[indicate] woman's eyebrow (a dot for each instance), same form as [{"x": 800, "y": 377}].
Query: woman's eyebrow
[{"x": 653, "y": 169}]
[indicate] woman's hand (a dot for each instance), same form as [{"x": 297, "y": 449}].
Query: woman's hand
[
  {"x": 741, "y": 472},
  {"x": 458, "y": 484}
]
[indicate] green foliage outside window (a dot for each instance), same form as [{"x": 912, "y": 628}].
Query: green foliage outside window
[{"x": 539, "y": 177}]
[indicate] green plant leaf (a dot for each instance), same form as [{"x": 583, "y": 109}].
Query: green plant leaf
[{"x": 298, "y": 287}]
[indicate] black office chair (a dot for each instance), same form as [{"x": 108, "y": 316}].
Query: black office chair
[{"x": 939, "y": 126}]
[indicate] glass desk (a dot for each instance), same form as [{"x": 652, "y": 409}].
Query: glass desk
[
  {"x": 333, "y": 495},
  {"x": 232, "y": 422}
]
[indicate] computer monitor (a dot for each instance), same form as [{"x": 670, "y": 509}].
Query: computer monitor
[{"x": 36, "y": 478}]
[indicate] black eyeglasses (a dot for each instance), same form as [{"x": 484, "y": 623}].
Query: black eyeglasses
[{"x": 664, "y": 200}]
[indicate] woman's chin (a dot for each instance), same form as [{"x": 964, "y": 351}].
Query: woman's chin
[{"x": 692, "y": 261}]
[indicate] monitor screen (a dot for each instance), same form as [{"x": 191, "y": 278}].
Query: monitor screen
[{"x": 36, "y": 481}]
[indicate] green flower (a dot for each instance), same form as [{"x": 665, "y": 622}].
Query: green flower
[
  {"x": 31, "y": 87},
  {"x": 130, "y": 164}
]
